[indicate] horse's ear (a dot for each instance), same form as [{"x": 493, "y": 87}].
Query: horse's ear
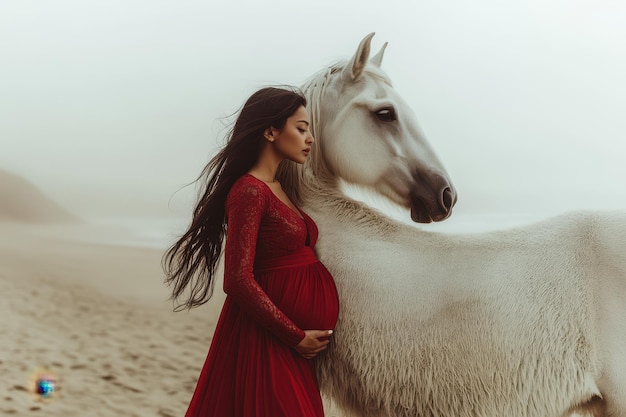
[
  {"x": 355, "y": 67},
  {"x": 378, "y": 58}
]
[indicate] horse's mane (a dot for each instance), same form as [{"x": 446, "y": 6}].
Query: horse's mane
[{"x": 301, "y": 181}]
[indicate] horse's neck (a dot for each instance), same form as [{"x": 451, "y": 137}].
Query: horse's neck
[{"x": 326, "y": 199}]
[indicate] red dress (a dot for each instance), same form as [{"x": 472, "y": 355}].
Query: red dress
[{"x": 276, "y": 288}]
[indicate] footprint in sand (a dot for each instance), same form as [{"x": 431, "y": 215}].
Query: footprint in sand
[{"x": 130, "y": 371}]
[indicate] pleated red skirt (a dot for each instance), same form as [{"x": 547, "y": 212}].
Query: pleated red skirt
[{"x": 248, "y": 371}]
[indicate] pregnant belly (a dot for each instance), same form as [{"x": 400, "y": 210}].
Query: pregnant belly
[{"x": 306, "y": 294}]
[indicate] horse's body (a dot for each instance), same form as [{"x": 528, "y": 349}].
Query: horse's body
[{"x": 520, "y": 323}]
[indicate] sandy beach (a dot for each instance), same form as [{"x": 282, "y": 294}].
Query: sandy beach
[{"x": 95, "y": 315}]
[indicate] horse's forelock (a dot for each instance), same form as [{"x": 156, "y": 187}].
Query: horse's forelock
[{"x": 314, "y": 90}]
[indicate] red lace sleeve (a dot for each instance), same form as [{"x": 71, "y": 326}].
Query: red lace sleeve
[{"x": 245, "y": 206}]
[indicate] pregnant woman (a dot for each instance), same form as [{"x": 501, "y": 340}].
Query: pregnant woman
[{"x": 281, "y": 303}]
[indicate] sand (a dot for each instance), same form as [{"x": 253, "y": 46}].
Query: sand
[{"x": 95, "y": 315}]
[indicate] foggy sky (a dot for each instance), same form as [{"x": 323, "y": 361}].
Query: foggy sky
[{"x": 524, "y": 102}]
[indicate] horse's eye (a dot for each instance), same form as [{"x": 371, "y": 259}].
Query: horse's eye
[{"x": 387, "y": 114}]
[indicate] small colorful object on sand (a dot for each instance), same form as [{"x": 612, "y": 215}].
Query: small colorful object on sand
[
  {"x": 45, "y": 387},
  {"x": 44, "y": 384}
]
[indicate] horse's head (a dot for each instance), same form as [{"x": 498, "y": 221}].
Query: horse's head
[{"x": 367, "y": 135}]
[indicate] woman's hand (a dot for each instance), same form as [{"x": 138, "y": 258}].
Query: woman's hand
[{"x": 313, "y": 343}]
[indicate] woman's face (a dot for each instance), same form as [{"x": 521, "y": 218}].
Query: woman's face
[{"x": 294, "y": 140}]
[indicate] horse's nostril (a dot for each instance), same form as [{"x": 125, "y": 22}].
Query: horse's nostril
[{"x": 447, "y": 201}]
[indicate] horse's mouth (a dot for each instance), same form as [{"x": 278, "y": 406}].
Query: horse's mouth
[{"x": 419, "y": 215}]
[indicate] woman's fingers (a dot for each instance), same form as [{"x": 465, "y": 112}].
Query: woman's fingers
[
  {"x": 313, "y": 339},
  {"x": 317, "y": 334},
  {"x": 322, "y": 346},
  {"x": 314, "y": 342}
]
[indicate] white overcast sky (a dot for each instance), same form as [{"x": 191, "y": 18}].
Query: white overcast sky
[{"x": 524, "y": 101}]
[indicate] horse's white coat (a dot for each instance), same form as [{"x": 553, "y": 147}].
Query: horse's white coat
[{"x": 529, "y": 322}]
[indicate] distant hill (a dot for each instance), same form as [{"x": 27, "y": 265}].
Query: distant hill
[{"x": 22, "y": 201}]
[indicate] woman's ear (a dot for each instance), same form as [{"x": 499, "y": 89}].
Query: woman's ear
[{"x": 269, "y": 134}]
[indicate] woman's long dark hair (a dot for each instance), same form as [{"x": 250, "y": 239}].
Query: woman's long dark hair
[{"x": 192, "y": 260}]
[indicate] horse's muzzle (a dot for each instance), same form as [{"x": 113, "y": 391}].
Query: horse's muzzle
[{"x": 432, "y": 199}]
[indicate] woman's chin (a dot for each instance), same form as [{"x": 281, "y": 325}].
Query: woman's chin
[{"x": 300, "y": 160}]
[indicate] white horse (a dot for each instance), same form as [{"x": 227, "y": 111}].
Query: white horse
[{"x": 529, "y": 322}]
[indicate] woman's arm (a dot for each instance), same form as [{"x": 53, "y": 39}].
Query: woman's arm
[{"x": 245, "y": 206}]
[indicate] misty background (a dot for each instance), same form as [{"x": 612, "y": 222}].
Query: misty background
[{"x": 110, "y": 107}]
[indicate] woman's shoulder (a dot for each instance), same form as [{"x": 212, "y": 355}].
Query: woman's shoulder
[{"x": 249, "y": 190}]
